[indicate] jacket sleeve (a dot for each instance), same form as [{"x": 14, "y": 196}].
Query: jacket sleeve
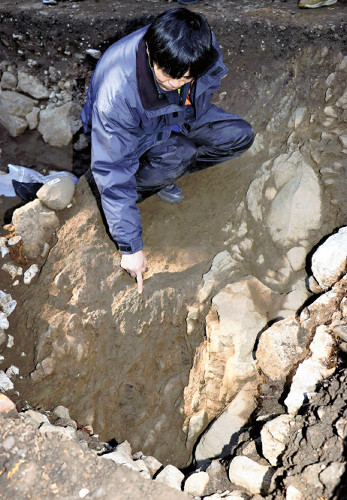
[{"x": 115, "y": 139}]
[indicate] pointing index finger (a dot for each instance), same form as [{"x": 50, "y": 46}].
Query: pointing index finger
[{"x": 139, "y": 282}]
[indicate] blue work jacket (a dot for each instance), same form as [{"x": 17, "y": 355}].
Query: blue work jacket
[{"x": 127, "y": 117}]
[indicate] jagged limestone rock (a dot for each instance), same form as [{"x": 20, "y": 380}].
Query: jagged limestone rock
[
  {"x": 14, "y": 108},
  {"x": 329, "y": 262},
  {"x": 29, "y": 84},
  {"x": 59, "y": 124},
  {"x": 282, "y": 338},
  {"x": 36, "y": 224},
  {"x": 274, "y": 436},
  {"x": 221, "y": 436}
]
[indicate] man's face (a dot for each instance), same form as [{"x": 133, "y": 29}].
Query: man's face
[{"x": 166, "y": 82}]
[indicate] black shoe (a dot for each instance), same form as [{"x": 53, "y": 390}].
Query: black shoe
[{"x": 171, "y": 193}]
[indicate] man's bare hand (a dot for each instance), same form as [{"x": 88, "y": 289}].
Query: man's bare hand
[{"x": 135, "y": 264}]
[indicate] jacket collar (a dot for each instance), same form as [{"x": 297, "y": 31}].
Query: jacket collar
[{"x": 148, "y": 91}]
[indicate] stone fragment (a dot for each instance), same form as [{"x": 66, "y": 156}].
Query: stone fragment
[
  {"x": 96, "y": 54},
  {"x": 35, "y": 418},
  {"x": 250, "y": 475},
  {"x": 239, "y": 312},
  {"x": 219, "y": 480},
  {"x": 313, "y": 285},
  {"x": 12, "y": 270},
  {"x": 4, "y": 250},
  {"x": 125, "y": 447},
  {"x": 5, "y": 383},
  {"x": 222, "y": 435},
  {"x": 311, "y": 371},
  {"x": 81, "y": 143},
  {"x": 10, "y": 341},
  {"x": 57, "y": 193},
  {"x": 296, "y": 210},
  {"x": 297, "y": 257},
  {"x": 171, "y": 476},
  {"x": 279, "y": 348},
  {"x": 342, "y": 101},
  {"x": 12, "y": 371},
  {"x": 329, "y": 262},
  {"x": 61, "y": 412},
  {"x": 6, "y": 405},
  {"x": 4, "y": 324},
  {"x": 330, "y": 111},
  {"x": 29, "y": 84},
  {"x": 36, "y": 224},
  {"x": 59, "y": 124},
  {"x": 63, "y": 432},
  {"x": 122, "y": 456},
  {"x": 153, "y": 464},
  {"x": 197, "y": 484},
  {"x": 33, "y": 118},
  {"x": 221, "y": 263},
  {"x": 3, "y": 338},
  {"x": 296, "y": 298},
  {"x": 274, "y": 436},
  {"x": 331, "y": 476},
  {"x": 8, "y": 81},
  {"x": 293, "y": 493},
  {"x": 297, "y": 118},
  {"x": 255, "y": 195},
  {"x": 7, "y": 304},
  {"x": 30, "y": 274},
  {"x": 197, "y": 424}
]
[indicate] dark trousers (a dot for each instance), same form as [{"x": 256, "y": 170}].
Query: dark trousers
[{"x": 197, "y": 147}]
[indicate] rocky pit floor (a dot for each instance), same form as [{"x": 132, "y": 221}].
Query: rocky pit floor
[{"x": 58, "y": 36}]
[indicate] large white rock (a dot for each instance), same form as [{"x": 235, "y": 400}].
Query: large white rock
[
  {"x": 250, "y": 475},
  {"x": 296, "y": 209},
  {"x": 222, "y": 263},
  {"x": 241, "y": 317},
  {"x": 329, "y": 262},
  {"x": 197, "y": 484},
  {"x": 57, "y": 193},
  {"x": 121, "y": 456},
  {"x": 64, "y": 432},
  {"x": 5, "y": 383},
  {"x": 297, "y": 257},
  {"x": 8, "y": 81},
  {"x": 222, "y": 435},
  {"x": 36, "y": 224},
  {"x": 171, "y": 476},
  {"x": 279, "y": 348},
  {"x": 311, "y": 371},
  {"x": 35, "y": 418},
  {"x": 29, "y": 84},
  {"x": 13, "y": 110},
  {"x": 59, "y": 124},
  {"x": 274, "y": 436},
  {"x": 224, "y": 362}
]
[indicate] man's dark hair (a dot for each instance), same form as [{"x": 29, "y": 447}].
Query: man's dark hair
[{"x": 179, "y": 40}]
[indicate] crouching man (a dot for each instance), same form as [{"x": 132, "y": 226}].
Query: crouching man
[{"x": 151, "y": 120}]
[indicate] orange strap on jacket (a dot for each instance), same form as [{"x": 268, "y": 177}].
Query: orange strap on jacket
[{"x": 188, "y": 101}]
